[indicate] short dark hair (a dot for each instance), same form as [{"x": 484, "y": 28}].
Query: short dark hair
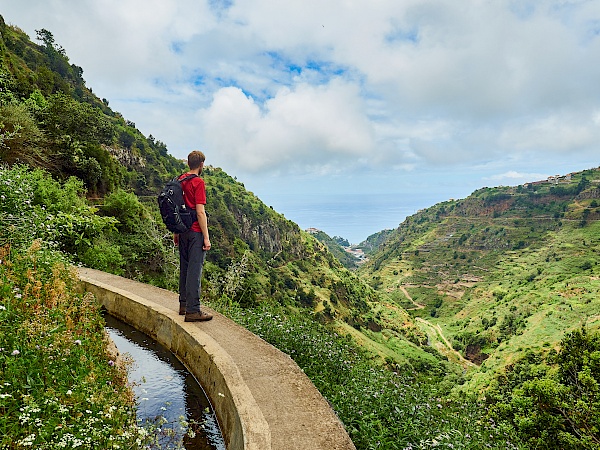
[{"x": 195, "y": 159}]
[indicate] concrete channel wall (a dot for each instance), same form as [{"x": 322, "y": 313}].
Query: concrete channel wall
[{"x": 262, "y": 399}]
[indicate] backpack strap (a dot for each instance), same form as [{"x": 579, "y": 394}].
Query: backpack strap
[{"x": 189, "y": 177}]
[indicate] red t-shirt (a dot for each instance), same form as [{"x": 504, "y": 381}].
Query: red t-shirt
[{"x": 194, "y": 192}]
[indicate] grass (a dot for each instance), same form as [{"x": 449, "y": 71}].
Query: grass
[
  {"x": 397, "y": 409},
  {"x": 389, "y": 346},
  {"x": 59, "y": 388},
  {"x": 510, "y": 284}
]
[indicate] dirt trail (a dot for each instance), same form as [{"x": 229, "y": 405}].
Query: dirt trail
[
  {"x": 436, "y": 336},
  {"x": 438, "y": 340},
  {"x": 417, "y": 305}
]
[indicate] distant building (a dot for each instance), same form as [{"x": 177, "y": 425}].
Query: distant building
[
  {"x": 552, "y": 179},
  {"x": 312, "y": 230},
  {"x": 357, "y": 253}
]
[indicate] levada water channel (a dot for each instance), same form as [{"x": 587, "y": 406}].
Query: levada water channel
[{"x": 168, "y": 395}]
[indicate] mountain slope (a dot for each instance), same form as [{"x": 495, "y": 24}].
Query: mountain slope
[
  {"x": 505, "y": 271},
  {"x": 50, "y": 119},
  {"x": 265, "y": 257},
  {"x": 348, "y": 260}
]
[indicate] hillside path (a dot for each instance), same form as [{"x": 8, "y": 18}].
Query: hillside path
[
  {"x": 417, "y": 305},
  {"x": 435, "y": 331},
  {"x": 435, "y": 335},
  {"x": 298, "y": 416}
]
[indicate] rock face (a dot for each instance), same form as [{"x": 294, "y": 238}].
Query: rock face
[
  {"x": 475, "y": 355},
  {"x": 594, "y": 193},
  {"x": 267, "y": 235},
  {"x": 126, "y": 157}
]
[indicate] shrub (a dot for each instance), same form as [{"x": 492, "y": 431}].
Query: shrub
[
  {"x": 58, "y": 385},
  {"x": 20, "y": 138},
  {"x": 33, "y": 206},
  {"x": 55, "y": 197},
  {"x": 553, "y": 402},
  {"x": 126, "y": 208},
  {"x": 380, "y": 408},
  {"x": 104, "y": 255}
]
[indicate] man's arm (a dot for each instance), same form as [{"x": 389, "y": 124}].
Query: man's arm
[{"x": 203, "y": 222}]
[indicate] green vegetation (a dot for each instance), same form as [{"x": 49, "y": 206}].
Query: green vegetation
[
  {"x": 381, "y": 408},
  {"x": 50, "y": 119},
  {"x": 503, "y": 272},
  {"x": 373, "y": 242},
  {"x": 462, "y": 297},
  {"x": 553, "y": 401},
  {"x": 58, "y": 386},
  {"x": 34, "y": 205},
  {"x": 61, "y": 385},
  {"x": 336, "y": 245},
  {"x": 51, "y": 204}
]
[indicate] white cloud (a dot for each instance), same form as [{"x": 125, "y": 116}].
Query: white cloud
[
  {"x": 308, "y": 126},
  {"x": 557, "y": 133},
  {"x": 337, "y": 86},
  {"x": 512, "y": 177}
]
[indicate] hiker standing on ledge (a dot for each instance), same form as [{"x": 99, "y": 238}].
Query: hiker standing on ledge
[{"x": 194, "y": 243}]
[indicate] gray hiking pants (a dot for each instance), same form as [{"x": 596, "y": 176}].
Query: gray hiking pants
[{"x": 191, "y": 260}]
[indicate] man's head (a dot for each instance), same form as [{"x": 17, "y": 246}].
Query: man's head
[{"x": 196, "y": 159}]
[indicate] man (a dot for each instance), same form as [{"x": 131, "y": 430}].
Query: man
[{"x": 194, "y": 243}]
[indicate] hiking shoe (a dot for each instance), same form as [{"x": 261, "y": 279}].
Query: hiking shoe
[
  {"x": 198, "y": 317},
  {"x": 182, "y": 310}
]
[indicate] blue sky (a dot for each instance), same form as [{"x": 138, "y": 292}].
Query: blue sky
[{"x": 428, "y": 100}]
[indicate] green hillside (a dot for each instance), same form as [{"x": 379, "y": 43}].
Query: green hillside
[
  {"x": 334, "y": 246},
  {"x": 455, "y": 295},
  {"x": 50, "y": 119},
  {"x": 503, "y": 273},
  {"x": 373, "y": 242}
]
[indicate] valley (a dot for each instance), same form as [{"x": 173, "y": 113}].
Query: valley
[
  {"x": 437, "y": 340},
  {"x": 460, "y": 306},
  {"x": 504, "y": 272}
]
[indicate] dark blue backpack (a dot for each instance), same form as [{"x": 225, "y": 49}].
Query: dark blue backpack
[{"x": 175, "y": 214}]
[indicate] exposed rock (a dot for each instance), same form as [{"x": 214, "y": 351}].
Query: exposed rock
[
  {"x": 126, "y": 157},
  {"x": 267, "y": 235},
  {"x": 474, "y": 354},
  {"x": 593, "y": 193}
]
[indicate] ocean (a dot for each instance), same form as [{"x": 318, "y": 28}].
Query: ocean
[{"x": 354, "y": 217}]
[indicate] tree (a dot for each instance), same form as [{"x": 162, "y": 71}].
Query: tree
[
  {"x": 20, "y": 138},
  {"x": 47, "y": 39},
  {"x": 554, "y": 403},
  {"x": 80, "y": 121}
]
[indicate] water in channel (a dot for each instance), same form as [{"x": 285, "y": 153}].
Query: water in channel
[{"x": 164, "y": 387}]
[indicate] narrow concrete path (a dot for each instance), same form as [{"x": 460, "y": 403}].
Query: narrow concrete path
[{"x": 298, "y": 417}]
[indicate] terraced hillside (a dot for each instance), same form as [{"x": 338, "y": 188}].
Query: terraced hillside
[{"x": 506, "y": 271}]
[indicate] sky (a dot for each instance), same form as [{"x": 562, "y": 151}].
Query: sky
[{"x": 416, "y": 101}]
